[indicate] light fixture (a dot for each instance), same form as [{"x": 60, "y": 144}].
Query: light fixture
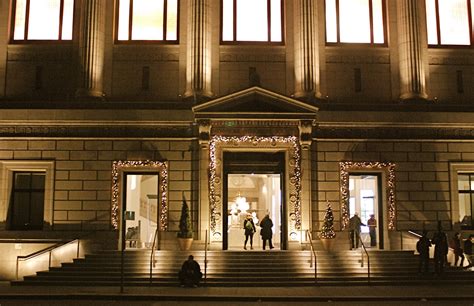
[{"x": 241, "y": 203}]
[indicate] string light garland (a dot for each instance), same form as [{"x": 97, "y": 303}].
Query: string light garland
[
  {"x": 294, "y": 170},
  {"x": 117, "y": 172},
  {"x": 387, "y": 167}
]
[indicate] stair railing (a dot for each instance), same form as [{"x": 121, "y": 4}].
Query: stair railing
[
  {"x": 152, "y": 255},
  {"x": 205, "y": 258},
  {"x": 364, "y": 250},
  {"x": 49, "y": 250},
  {"x": 313, "y": 255}
]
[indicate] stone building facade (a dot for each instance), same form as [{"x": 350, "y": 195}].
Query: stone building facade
[{"x": 399, "y": 113}]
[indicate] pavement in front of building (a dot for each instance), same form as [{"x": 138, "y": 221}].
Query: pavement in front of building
[{"x": 337, "y": 295}]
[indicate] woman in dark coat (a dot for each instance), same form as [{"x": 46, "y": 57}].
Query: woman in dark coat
[
  {"x": 250, "y": 229},
  {"x": 266, "y": 224}
]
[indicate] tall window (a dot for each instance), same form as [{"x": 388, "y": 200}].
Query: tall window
[
  {"x": 449, "y": 22},
  {"x": 466, "y": 198},
  {"x": 252, "y": 21},
  {"x": 43, "y": 20},
  {"x": 355, "y": 21},
  {"x": 27, "y": 201},
  {"x": 147, "y": 20}
]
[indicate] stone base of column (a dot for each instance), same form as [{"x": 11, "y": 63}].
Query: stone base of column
[
  {"x": 197, "y": 97},
  {"x": 310, "y": 97},
  {"x": 413, "y": 98},
  {"x": 89, "y": 94}
]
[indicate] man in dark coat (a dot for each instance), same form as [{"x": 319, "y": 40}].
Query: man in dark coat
[
  {"x": 423, "y": 247},
  {"x": 468, "y": 250},
  {"x": 440, "y": 241},
  {"x": 190, "y": 273},
  {"x": 354, "y": 230},
  {"x": 266, "y": 232}
]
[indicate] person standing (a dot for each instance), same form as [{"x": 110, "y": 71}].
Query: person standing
[
  {"x": 440, "y": 241},
  {"x": 354, "y": 230},
  {"x": 249, "y": 228},
  {"x": 468, "y": 250},
  {"x": 457, "y": 250},
  {"x": 372, "y": 224},
  {"x": 423, "y": 247},
  {"x": 266, "y": 232}
]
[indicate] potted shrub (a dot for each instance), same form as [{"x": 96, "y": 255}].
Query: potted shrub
[
  {"x": 185, "y": 233},
  {"x": 327, "y": 234}
]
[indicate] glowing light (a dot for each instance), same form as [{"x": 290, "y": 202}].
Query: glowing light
[
  {"x": 117, "y": 172},
  {"x": 43, "y": 20},
  {"x": 389, "y": 169}
]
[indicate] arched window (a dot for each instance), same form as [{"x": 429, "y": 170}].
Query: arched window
[
  {"x": 42, "y": 20},
  {"x": 355, "y": 21},
  {"x": 252, "y": 21},
  {"x": 147, "y": 20},
  {"x": 449, "y": 22}
]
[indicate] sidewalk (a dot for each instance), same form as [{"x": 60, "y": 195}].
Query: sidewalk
[{"x": 323, "y": 293}]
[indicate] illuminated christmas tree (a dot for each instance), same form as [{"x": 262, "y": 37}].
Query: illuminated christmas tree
[{"x": 327, "y": 230}]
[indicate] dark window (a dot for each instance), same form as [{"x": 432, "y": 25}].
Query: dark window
[
  {"x": 466, "y": 199},
  {"x": 39, "y": 20},
  {"x": 355, "y": 21},
  {"x": 255, "y": 21},
  {"x": 27, "y": 201},
  {"x": 449, "y": 22},
  {"x": 147, "y": 20}
]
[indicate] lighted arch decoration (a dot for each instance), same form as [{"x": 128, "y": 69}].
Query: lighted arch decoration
[
  {"x": 119, "y": 167},
  {"x": 387, "y": 167},
  {"x": 290, "y": 144}
]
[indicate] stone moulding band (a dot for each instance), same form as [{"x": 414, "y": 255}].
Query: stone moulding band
[{"x": 119, "y": 167}]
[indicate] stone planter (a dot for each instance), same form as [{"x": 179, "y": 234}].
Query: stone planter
[
  {"x": 327, "y": 244},
  {"x": 185, "y": 243}
]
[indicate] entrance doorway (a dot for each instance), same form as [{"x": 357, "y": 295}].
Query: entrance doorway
[
  {"x": 365, "y": 200},
  {"x": 141, "y": 209},
  {"x": 253, "y": 185}
]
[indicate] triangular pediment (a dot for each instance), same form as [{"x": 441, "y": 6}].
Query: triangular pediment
[{"x": 254, "y": 103}]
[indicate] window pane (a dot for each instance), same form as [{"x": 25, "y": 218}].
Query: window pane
[
  {"x": 431, "y": 22},
  {"x": 68, "y": 15},
  {"x": 465, "y": 208},
  {"x": 147, "y": 20},
  {"x": 252, "y": 22},
  {"x": 21, "y": 209},
  {"x": 44, "y": 19},
  {"x": 354, "y": 21},
  {"x": 123, "y": 19},
  {"x": 20, "y": 12},
  {"x": 331, "y": 21},
  {"x": 228, "y": 20},
  {"x": 172, "y": 20},
  {"x": 377, "y": 13},
  {"x": 37, "y": 181},
  {"x": 37, "y": 210},
  {"x": 275, "y": 16},
  {"x": 22, "y": 181},
  {"x": 463, "y": 181},
  {"x": 454, "y": 22}
]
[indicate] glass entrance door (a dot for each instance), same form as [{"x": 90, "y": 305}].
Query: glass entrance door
[
  {"x": 141, "y": 210},
  {"x": 253, "y": 195},
  {"x": 365, "y": 200}
]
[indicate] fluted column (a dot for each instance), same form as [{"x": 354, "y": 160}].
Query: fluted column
[
  {"x": 307, "y": 78},
  {"x": 4, "y": 10},
  {"x": 412, "y": 44},
  {"x": 91, "y": 49},
  {"x": 198, "y": 65}
]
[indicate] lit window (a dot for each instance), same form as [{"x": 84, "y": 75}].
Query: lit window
[
  {"x": 43, "y": 20},
  {"x": 148, "y": 20},
  {"x": 448, "y": 22},
  {"x": 355, "y": 21},
  {"x": 466, "y": 198},
  {"x": 252, "y": 21}
]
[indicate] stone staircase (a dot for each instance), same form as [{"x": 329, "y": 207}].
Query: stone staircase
[{"x": 249, "y": 268}]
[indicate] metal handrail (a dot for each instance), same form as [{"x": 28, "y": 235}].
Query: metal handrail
[
  {"x": 313, "y": 254},
  {"x": 362, "y": 258},
  {"x": 49, "y": 249},
  {"x": 205, "y": 258},
  {"x": 152, "y": 256}
]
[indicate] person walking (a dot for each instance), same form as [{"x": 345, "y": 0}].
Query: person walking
[
  {"x": 372, "y": 224},
  {"x": 423, "y": 248},
  {"x": 457, "y": 250},
  {"x": 249, "y": 228},
  {"x": 468, "y": 250},
  {"x": 266, "y": 232},
  {"x": 354, "y": 230},
  {"x": 440, "y": 241}
]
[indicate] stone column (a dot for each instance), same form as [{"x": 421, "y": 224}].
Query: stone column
[
  {"x": 305, "y": 130},
  {"x": 4, "y": 24},
  {"x": 198, "y": 58},
  {"x": 307, "y": 67},
  {"x": 91, "y": 49},
  {"x": 204, "y": 212},
  {"x": 412, "y": 43}
]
